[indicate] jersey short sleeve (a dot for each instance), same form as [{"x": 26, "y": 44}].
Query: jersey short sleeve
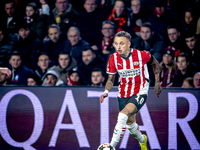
[
  {"x": 111, "y": 69},
  {"x": 145, "y": 56}
]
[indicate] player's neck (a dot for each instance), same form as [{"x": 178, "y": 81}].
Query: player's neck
[{"x": 127, "y": 54}]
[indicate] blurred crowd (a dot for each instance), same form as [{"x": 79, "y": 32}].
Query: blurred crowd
[{"x": 68, "y": 42}]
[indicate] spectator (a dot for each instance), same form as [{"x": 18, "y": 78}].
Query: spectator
[
  {"x": 174, "y": 39},
  {"x": 192, "y": 47},
  {"x": 63, "y": 15},
  {"x": 137, "y": 17},
  {"x": 20, "y": 72},
  {"x": 149, "y": 41},
  {"x": 10, "y": 19},
  {"x": 55, "y": 45},
  {"x": 43, "y": 65},
  {"x": 120, "y": 15},
  {"x": 66, "y": 63},
  {"x": 89, "y": 21},
  {"x": 33, "y": 80},
  {"x": 188, "y": 83},
  {"x": 3, "y": 78},
  {"x": 168, "y": 67},
  {"x": 189, "y": 21},
  {"x": 97, "y": 77},
  {"x": 28, "y": 45},
  {"x": 90, "y": 61},
  {"x": 196, "y": 80},
  {"x": 52, "y": 79},
  {"x": 6, "y": 48},
  {"x": 161, "y": 18},
  {"x": 45, "y": 9},
  {"x": 75, "y": 44},
  {"x": 37, "y": 22},
  {"x": 198, "y": 28},
  {"x": 5, "y": 73},
  {"x": 185, "y": 69},
  {"x": 104, "y": 44},
  {"x": 74, "y": 77}
]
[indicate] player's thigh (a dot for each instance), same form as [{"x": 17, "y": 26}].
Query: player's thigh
[{"x": 129, "y": 109}]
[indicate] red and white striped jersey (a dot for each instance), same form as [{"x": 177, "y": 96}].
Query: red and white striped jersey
[{"x": 132, "y": 71}]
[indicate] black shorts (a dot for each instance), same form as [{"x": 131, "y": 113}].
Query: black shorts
[{"x": 138, "y": 100}]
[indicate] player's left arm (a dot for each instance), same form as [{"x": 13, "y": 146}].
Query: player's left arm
[{"x": 156, "y": 69}]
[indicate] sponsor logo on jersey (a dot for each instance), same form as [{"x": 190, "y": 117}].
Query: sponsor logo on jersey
[{"x": 129, "y": 72}]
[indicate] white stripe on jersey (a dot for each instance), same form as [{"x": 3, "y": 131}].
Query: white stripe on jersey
[
  {"x": 133, "y": 83},
  {"x": 115, "y": 59},
  {"x": 140, "y": 65},
  {"x": 124, "y": 67}
]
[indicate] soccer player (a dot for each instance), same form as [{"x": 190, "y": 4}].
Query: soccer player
[{"x": 133, "y": 86}]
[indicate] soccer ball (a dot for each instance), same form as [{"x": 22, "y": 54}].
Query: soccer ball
[{"x": 105, "y": 146}]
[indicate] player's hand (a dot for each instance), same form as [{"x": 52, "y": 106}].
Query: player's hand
[
  {"x": 6, "y": 71},
  {"x": 157, "y": 88},
  {"x": 104, "y": 95}
]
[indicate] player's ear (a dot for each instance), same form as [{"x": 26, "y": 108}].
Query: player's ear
[
  {"x": 113, "y": 44},
  {"x": 129, "y": 43}
]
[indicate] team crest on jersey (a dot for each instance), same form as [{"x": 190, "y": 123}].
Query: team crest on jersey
[{"x": 135, "y": 63}]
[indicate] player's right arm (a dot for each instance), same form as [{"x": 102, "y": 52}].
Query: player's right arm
[{"x": 108, "y": 87}]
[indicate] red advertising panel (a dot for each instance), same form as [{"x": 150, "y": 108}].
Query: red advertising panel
[{"x": 71, "y": 118}]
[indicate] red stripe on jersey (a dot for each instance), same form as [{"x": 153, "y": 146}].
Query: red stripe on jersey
[
  {"x": 143, "y": 76},
  {"x": 111, "y": 65},
  {"x": 145, "y": 59},
  {"x": 137, "y": 78},
  {"x": 120, "y": 66},
  {"x": 129, "y": 79},
  {"x": 119, "y": 62}
]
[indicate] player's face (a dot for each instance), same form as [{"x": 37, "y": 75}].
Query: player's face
[
  {"x": 54, "y": 34},
  {"x": 90, "y": 5},
  {"x": 145, "y": 33},
  {"x": 43, "y": 62},
  {"x": 31, "y": 82},
  {"x": 63, "y": 60},
  {"x": 51, "y": 80},
  {"x": 97, "y": 77},
  {"x": 73, "y": 37},
  {"x": 135, "y": 6},
  {"x": 15, "y": 61},
  {"x": 74, "y": 77},
  {"x": 191, "y": 42},
  {"x": 196, "y": 80},
  {"x": 167, "y": 59},
  {"x": 182, "y": 63},
  {"x": 173, "y": 34},
  {"x": 119, "y": 8},
  {"x": 122, "y": 45},
  {"x": 29, "y": 11},
  {"x": 188, "y": 17}
]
